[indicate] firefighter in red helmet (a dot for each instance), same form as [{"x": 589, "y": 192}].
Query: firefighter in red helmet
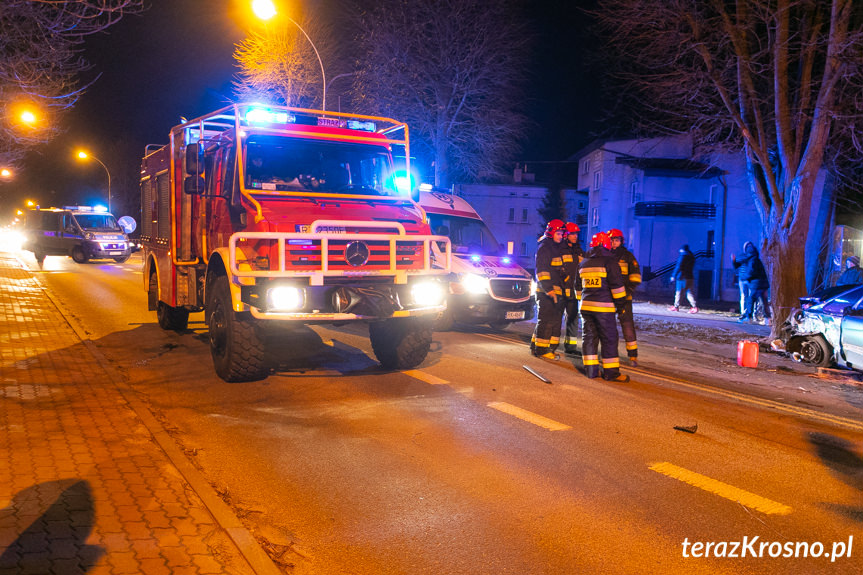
[
  {"x": 601, "y": 292},
  {"x": 572, "y": 256},
  {"x": 632, "y": 278},
  {"x": 549, "y": 292}
]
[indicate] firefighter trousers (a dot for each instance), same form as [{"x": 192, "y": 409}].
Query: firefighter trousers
[
  {"x": 546, "y": 336},
  {"x": 627, "y": 326},
  {"x": 600, "y": 333},
  {"x": 570, "y": 336}
]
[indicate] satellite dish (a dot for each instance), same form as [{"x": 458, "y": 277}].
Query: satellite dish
[{"x": 128, "y": 224}]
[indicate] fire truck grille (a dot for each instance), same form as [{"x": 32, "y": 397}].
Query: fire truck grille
[
  {"x": 510, "y": 289},
  {"x": 353, "y": 255}
]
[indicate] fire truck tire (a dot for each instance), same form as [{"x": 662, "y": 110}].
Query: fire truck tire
[
  {"x": 445, "y": 320},
  {"x": 237, "y": 346},
  {"x": 79, "y": 255},
  {"x": 40, "y": 256},
  {"x": 401, "y": 343},
  {"x": 170, "y": 318}
]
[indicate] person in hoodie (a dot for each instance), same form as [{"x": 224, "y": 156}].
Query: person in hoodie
[
  {"x": 684, "y": 278},
  {"x": 601, "y": 289},
  {"x": 754, "y": 285},
  {"x": 853, "y": 274}
]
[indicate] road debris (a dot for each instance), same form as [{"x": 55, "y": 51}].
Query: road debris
[
  {"x": 538, "y": 376},
  {"x": 687, "y": 429}
]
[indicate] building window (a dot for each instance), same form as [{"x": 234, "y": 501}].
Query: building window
[
  {"x": 524, "y": 248},
  {"x": 580, "y": 205},
  {"x": 634, "y": 195},
  {"x": 585, "y": 167},
  {"x": 713, "y": 196},
  {"x": 597, "y": 179},
  {"x": 524, "y": 214},
  {"x": 594, "y": 219},
  {"x": 511, "y": 215}
]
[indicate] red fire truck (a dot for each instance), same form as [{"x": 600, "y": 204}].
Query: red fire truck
[{"x": 265, "y": 217}]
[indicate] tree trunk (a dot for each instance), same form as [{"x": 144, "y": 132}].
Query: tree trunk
[{"x": 786, "y": 268}]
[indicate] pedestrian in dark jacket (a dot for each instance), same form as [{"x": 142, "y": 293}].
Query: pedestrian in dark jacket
[
  {"x": 601, "y": 290},
  {"x": 852, "y": 274},
  {"x": 754, "y": 284},
  {"x": 549, "y": 292},
  {"x": 684, "y": 277}
]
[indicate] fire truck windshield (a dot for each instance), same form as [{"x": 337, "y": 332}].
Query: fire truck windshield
[
  {"x": 100, "y": 222},
  {"x": 291, "y": 164}
]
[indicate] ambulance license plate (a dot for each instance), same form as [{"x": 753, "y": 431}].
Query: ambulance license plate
[{"x": 514, "y": 315}]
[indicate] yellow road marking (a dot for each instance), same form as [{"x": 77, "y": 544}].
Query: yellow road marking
[
  {"x": 528, "y": 416},
  {"x": 328, "y": 342},
  {"x": 721, "y": 489},
  {"x": 426, "y": 377}
]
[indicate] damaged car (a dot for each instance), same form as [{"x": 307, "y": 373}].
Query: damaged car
[{"x": 827, "y": 329}]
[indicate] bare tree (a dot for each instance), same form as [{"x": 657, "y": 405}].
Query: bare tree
[
  {"x": 41, "y": 65},
  {"x": 779, "y": 78},
  {"x": 278, "y": 64},
  {"x": 454, "y": 71}
]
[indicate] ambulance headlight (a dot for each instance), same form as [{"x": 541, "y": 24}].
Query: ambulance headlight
[
  {"x": 284, "y": 298},
  {"x": 533, "y": 288},
  {"x": 474, "y": 283},
  {"x": 427, "y": 293}
]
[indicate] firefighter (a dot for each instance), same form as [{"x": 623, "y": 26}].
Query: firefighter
[
  {"x": 601, "y": 291},
  {"x": 572, "y": 256},
  {"x": 549, "y": 293},
  {"x": 631, "y": 278}
]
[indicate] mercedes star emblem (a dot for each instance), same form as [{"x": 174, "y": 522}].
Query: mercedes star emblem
[{"x": 357, "y": 253}]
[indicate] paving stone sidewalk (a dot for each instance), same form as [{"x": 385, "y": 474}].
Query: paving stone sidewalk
[{"x": 84, "y": 487}]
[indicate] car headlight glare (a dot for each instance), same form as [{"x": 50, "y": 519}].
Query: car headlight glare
[
  {"x": 474, "y": 283},
  {"x": 533, "y": 288},
  {"x": 284, "y": 298},
  {"x": 427, "y": 293}
]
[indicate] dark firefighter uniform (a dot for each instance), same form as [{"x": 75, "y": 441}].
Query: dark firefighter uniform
[
  {"x": 602, "y": 290},
  {"x": 549, "y": 292},
  {"x": 572, "y": 256},
  {"x": 631, "y": 273}
]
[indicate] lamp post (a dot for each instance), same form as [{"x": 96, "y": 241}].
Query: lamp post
[
  {"x": 84, "y": 155},
  {"x": 265, "y": 9}
]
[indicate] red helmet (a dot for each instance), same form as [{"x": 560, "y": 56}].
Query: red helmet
[
  {"x": 572, "y": 228},
  {"x": 553, "y": 226},
  {"x": 615, "y": 233},
  {"x": 600, "y": 239}
]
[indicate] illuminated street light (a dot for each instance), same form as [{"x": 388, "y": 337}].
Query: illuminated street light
[
  {"x": 84, "y": 156},
  {"x": 28, "y": 117},
  {"x": 30, "y": 203},
  {"x": 265, "y": 9},
  {"x": 6, "y": 173}
]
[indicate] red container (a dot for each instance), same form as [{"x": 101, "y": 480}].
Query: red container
[{"x": 747, "y": 353}]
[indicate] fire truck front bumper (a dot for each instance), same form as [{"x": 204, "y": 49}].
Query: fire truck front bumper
[{"x": 285, "y": 300}]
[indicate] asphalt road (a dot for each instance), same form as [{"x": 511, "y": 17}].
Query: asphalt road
[{"x": 470, "y": 464}]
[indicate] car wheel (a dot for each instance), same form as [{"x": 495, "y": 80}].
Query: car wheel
[
  {"x": 40, "y": 256},
  {"x": 816, "y": 351},
  {"x": 498, "y": 325},
  {"x": 79, "y": 255},
  {"x": 121, "y": 259}
]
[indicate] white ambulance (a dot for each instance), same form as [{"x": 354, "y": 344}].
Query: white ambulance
[{"x": 486, "y": 286}]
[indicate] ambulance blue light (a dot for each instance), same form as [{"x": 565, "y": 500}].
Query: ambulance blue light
[
  {"x": 506, "y": 260},
  {"x": 475, "y": 258}
]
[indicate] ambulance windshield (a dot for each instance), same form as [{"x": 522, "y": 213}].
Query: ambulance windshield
[
  {"x": 468, "y": 235},
  {"x": 291, "y": 164}
]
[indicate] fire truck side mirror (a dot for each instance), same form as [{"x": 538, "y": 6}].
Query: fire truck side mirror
[
  {"x": 194, "y": 185},
  {"x": 194, "y": 163}
]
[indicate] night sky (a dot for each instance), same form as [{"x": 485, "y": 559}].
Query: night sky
[{"x": 176, "y": 60}]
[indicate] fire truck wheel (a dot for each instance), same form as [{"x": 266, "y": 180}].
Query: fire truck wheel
[
  {"x": 444, "y": 321},
  {"x": 401, "y": 343},
  {"x": 40, "y": 256},
  {"x": 237, "y": 347},
  {"x": 170, "y": 318},
  {"x": 79, "y": 255}
]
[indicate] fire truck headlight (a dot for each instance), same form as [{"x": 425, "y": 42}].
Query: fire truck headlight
[
  {"x": 474, "y": 283},
  {"x": 284, "y": 298},
  {"x": 427, "y": 293}
]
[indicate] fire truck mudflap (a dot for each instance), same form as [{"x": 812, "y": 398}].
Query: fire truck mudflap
[{"x": 266, "y": 217}]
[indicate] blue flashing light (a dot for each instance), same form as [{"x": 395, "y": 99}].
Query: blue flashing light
[
  {"x": 475, "y": 258},
  {"x": 404, "y": 183},
  {"x": 507, "y": 261},
  {"x": 364, "y": 126},
  {"x": 100, "y": 209},
  {"x": 267, "y": 116}
]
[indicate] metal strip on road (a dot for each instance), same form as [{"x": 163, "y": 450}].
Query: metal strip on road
[
  {"x": 528, "y": 416},
  {"x": 745, "y": 498},
  {"x": 742, "y": 397}
]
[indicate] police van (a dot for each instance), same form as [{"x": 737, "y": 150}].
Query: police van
[
  {"x": 486, "y": 284},
  {"x": 81, "y": 232}
]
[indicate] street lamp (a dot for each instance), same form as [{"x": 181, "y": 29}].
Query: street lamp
[
  {"x": 28, "y": 117},
  {"x": 84, "y": 156},
  {"x": 265, "y": 9},
  {"x": 6, "y": 173}
]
